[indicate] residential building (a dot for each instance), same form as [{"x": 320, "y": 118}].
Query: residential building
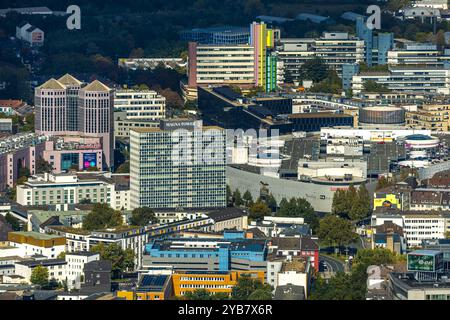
[
  {"x": 303, "y": 247},
  {"x": 56, "y": 268},
  {"x": 28, "y": 243},
  {"x": 19, "y": 151},
  {"x": 75, "y": 267},
  {"x": 434, "y": 117},
  {"x": 97, "y": 277},
  {"x": 30, "y": 34},
  {"x": 167, "y": 174},
  {"x": 389, "y": 236},
  {"x": 228, "y": 219},
  {"x": 45, "y": 189},
  {"x": 283, "y": 271}
]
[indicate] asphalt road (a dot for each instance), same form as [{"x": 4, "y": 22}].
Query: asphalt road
[{"x": 334, "y": 265}]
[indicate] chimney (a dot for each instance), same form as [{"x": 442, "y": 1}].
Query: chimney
[{"x": 390, "y": 241}]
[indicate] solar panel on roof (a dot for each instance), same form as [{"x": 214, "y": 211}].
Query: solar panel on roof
[{"x": 153, "y": 280}]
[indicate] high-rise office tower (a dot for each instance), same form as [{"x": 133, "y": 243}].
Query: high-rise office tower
[
  {"x": 179, "y": 165},
  {"x": 95, "y": 110},
  {"x": 67, "y": 107},
  {"x": 73, "y": 87}
]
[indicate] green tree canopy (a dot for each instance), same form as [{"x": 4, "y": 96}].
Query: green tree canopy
[
  {"x": 102, "y": 216},
  {"x": 247, "y": 286},
  {"x": 314, "y": 69},
  {"x": 142, "y": 217},
  {"x": 336, "y": 231},
  {"x": 121, "y": 260},
  {"x": 373, "y": 86},
  {"x": 203, "y": 294},
  {"x": 237, "y": 198},
  {"x": 248, "y": 199},
  {"x": 299, "y": 207},
  {"x": 39, "y": 276},
  {"x": 258, "y": 210}
]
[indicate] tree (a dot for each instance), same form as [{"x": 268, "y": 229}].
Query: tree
[
  {"x": 142, "y": 217},
  {"x": 260, "y": 294},
  {"x": 43, "y": 166},
  {"x": 247, "y": 286},
  {"x": 361, "y": 206},
  {"x": 314, "y": 69},
  {"x": 229, "y": 197},
  {"x": 271, "y": 202},
  {"x": 248, "y": 199},
  {"x": 383, "y": 183},
  {"x": 124, "y": 167},
  {"x": 62, "y": 255},
  {"x": 373, "y": 86},
  {"x": 299, "y": 207},
  {"x": 102, "y": 216},
  {"x": 336, "y": 231},
  {"x": 258, "y": 210},
  {"x": 13, "y": 221},
  {"x": 39, "y": 276},
  {"x": 137, "y": 53},
  {"x": 237, "y": 198},
  {"x": 331, "y": 84},
  {"x": 121, "y": 260}
]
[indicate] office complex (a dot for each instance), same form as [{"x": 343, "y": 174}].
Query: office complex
[
  {"x": 65, "y": 107},
  {"x": 178, "y": 168},
  {"x": 407, "y": 79},
  {"x": 140, "y": 104},
  {"x": 232, "y": 253},
  {"x": 337, "y": 49}
]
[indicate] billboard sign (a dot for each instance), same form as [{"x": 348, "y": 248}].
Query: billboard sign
[
  {"x": 425, "y": 262},
  {"x": 89, "y": 160}
]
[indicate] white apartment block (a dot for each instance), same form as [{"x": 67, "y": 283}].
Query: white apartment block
[
  {"x": 416, "y": 226},
  {"x": 56, "y": 269},
  {"x": 27, "y": 244},
  {"x": 407, "y": 79},
  {"x": 140, "y": 104},
  {"x": 75, "y": 265},
  {"x": 71, "y": 189}
]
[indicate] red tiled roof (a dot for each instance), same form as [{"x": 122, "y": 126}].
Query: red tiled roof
[{"x": 11, "y": 103}]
